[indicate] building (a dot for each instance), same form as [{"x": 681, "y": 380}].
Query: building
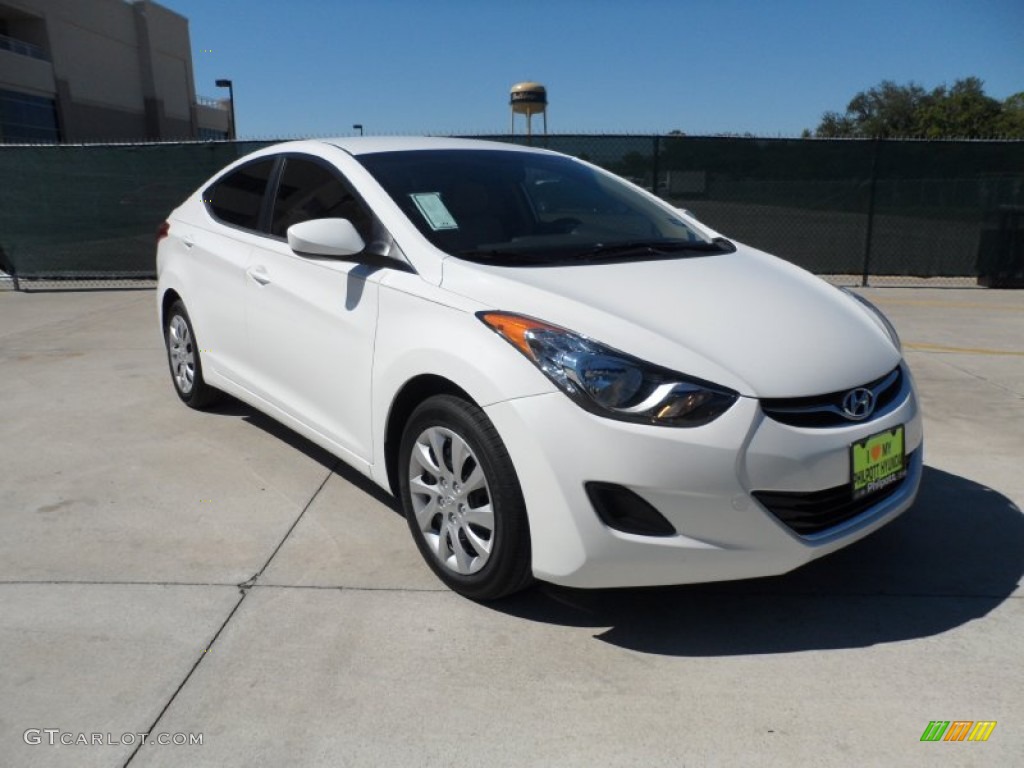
[{"x": 100, "y": 70}]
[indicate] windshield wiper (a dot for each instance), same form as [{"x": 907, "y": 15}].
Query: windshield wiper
[
  {"x": 657, "y": 248},
  {"x": 496, "y": 255},
  {"x": 621, "y": 250}
]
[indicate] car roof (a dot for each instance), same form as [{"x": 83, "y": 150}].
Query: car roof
[{"x": 363, "y": 145}]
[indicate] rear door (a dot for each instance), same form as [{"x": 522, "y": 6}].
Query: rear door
[{"x": 218, "y": 253}]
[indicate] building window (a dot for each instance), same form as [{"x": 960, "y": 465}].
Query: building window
[
  {"x": 210, "y": 134},
  {"x": 20, "y": 47},
  {"x": 26, "y": 118}
]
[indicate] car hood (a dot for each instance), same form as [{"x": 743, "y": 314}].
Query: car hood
[{"x": 745, "y": 320}]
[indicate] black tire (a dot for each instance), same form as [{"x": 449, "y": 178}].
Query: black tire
[
  {"x": 507, "y": 568},
  {"x": 197, "y": 393}
]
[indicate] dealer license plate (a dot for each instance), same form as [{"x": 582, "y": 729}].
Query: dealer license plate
[{"x": 878, "y": 461}]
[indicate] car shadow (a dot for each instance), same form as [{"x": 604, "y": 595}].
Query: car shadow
[
  {"x": 230, "y": 406},
  {"x": 952, "y": 558}
]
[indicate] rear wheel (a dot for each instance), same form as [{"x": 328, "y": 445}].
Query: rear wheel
[
  {"x": 462, "y": 499},
  {"x": 184, "y": 359}
]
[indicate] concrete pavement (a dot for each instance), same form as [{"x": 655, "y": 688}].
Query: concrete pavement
[{"x": 172, "y": 572}]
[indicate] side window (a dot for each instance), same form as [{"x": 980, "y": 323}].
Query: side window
[
  {"x": 237, "y": 198},
  {"x": 308, "y": 190}
]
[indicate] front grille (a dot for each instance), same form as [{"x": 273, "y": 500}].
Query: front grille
[
  {"x": 808, "y": 513},
  {"x": 827, "y": 410}
]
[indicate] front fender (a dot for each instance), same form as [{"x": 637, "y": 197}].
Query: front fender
[{"x": 417, "y": 334}]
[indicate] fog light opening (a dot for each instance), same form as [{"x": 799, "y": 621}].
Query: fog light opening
[{"x": 621, "y": 509}]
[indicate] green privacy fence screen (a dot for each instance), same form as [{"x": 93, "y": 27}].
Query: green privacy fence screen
[
  {"x": 93, "y": 211},
  {"x": 839, "y": 207}
]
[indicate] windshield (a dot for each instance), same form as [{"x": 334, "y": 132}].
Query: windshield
[{"x": 511, "y": 208}]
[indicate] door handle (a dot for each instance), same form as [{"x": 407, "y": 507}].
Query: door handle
[
  {"x": 259, "y": 274},
  {"x": 188, "y": 240}
]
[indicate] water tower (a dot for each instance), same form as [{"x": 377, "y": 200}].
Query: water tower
[{"x": 529, "y": 99}]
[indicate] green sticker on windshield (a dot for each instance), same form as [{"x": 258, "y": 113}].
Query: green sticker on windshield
[{"x": 434, "y": 210}]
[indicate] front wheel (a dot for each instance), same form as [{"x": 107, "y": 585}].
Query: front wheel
[{"x": 462, "y": 499}]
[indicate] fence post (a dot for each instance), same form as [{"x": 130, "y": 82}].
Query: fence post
[
  {"x": 871, "y": 212},
  {"x": 8, "y": 261},
  {"x": 655, "y": 169}
]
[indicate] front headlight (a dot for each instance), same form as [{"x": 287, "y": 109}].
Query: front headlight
[
  {"x": 608, "y": 382},
  {"x": 883, "y": 321}
]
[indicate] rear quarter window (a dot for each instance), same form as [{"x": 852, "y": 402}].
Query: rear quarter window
[{"x": 237, "y": 198}]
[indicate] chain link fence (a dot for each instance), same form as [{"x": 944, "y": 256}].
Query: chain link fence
[{"x": 860, "y": 211}]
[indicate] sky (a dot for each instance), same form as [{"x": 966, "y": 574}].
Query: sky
[{"x": 767, "y": 67}]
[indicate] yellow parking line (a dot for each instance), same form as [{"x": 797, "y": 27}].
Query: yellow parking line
[
  {"x": 949, "y": 304},
  {"x": 962, "y": 350}
]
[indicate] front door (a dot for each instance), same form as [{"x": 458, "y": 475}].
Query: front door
[{"x": 311, "y": 320}]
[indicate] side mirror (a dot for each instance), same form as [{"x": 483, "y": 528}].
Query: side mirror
[{"x": 325, "y": 237}]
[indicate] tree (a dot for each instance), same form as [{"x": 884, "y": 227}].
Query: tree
[
  {"x": 963, "y": 111},
  {"x": 833, "y": 126},
  {"x": 889, "y": 110},
  {"x": 1011, "y": 119}
]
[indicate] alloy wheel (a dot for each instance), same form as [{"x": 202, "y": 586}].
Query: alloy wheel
[
  {"x": 451, "y": 500},
  {"x": 179, "y": 348}
]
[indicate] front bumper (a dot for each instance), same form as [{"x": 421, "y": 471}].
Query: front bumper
[{"x": 701, "y": 480}]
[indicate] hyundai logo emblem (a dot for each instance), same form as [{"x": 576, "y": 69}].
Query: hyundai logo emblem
[{"x": 858, "y": 404}]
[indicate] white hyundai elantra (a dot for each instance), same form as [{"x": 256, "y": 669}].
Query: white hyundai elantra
[{"x": 559, "y": 375}]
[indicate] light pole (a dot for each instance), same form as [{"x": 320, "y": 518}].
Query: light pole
[
  {"x": 358, "y": 127},
  {"x": 231, "y": 97}
]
